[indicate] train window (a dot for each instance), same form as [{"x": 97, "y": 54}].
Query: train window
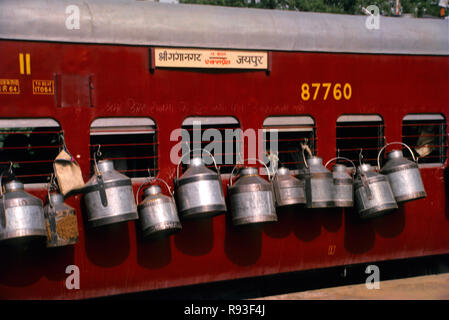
[
  {"x": 291, "y": 132},
  {"x": 32, "y": 145},
  {"x": 426, "y": 136},
  {"x": 355, "y": 132},
  {"x": 217, "y": 135},
  {"x": 130, "y": 142}
]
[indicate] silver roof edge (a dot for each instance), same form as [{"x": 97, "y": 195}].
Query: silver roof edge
[{"x": 131, "y": 22}]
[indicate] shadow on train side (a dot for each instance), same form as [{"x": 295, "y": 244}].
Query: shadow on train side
[
  {"x": 243, "y": 244},
  {"x": 17, "y": 258},
  {"x": 303, "y": 222},
  {"x": 152, "y": 253},
  {"x": 359, "y": 234},
  {"x": 265, "y": 286},
  {"x": 99, "y": 240},
  {"x": 196, "y": 237},
  {"x": 391, "y": 224}
]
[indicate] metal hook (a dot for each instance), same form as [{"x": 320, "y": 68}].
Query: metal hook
[
  {"x": 10, "y": 167},
  {"x": 62, "y": 141},
  {"x": 99, "y": 154}
]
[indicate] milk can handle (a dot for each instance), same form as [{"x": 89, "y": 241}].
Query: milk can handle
[
  {"x": 380, "y": 152},
  {"x": 260, "y": 161},
  {"x": 342, "y": 158},
  {"x": 151, "y": 179},
  {"x": 187, "y": 153},
  {"x": 304, "y": 147}
]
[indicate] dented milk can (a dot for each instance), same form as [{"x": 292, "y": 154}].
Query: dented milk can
[
  {"x": 61, "y": 222},
  {"x": 251, "y": 198},
  {"x": 199, "y": 191},
  {"x": 21, "y": 214},
  {"x": 157, "y": 212},
  {"x": 343, "y": 184},
  {"x": 109, "y": 196},
  {"x": 404, "y": 175},
  {"x": 373, "y": 194},
  {"x": 288, "y": 190}
]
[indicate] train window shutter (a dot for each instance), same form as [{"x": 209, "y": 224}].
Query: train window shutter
[
  {"x": 426, "y": 135},
  {"x": 74, "y": 90},
  {"x": 360, "y": 131},
  {"x": 32, "y": 145},
  {"x": 292, "y": 131},
  {"x": 218, "y": 135},
  {"x": 131, "y": 143}
]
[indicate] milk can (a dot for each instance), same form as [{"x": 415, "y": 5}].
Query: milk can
[
  {"x": 251, "y": 198},
  {"x": 109, "y": 196},
  {"x": 199, "y": 191},
  {"x": 21, "y": 214},
  {"x": 288, "y": 190},
  {"x": 319, "y": 184},
  {"x": 403, "y": 174},
  {"x": 157, "y": 212},
  {"x": 61, "y": 222},
  {"x": 373, "y": 194},
  {"x": 343, "y": 184}
]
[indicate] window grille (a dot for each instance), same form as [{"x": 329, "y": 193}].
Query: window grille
[
  {"x": 224, "y": 136},
  {"x": 355, "y": 132},
  {"x": 291, "y": 132},
  {"x": 130, "y": 142},
  {"x": 32, "y": 145},
  {"x": 426, "y": 135}
]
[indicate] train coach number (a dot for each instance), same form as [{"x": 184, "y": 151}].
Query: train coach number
[{"x": 318, "y": 90}]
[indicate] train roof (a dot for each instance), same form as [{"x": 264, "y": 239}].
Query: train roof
[{"x": 130, "y": 22}]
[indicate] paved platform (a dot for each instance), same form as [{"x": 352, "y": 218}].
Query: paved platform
[{"x": 431, "y": 287}]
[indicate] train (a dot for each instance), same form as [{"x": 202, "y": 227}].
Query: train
[{"x": 124, "y": 77}]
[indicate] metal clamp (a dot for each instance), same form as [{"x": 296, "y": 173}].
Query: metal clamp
[
  {"x": 51, "y": 186},
  {"x": 260, "y": 161},
  {"x": 364, "y": 178},
  {"x": 381, "y": 150},
  {"x": 101, "y": 188}
]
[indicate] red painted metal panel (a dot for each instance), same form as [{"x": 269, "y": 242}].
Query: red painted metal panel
[{"x": 114, "y": 260}]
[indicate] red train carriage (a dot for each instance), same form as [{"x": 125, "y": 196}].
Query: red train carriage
[{"x": 327, "y": 79}]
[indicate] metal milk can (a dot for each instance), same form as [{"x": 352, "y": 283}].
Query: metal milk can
[
  {"x": 288, "y": 190},
  {"x": 109, "y": 196},
  {"x": 251, "y": 198},
  {"x": 199, "y": 191},
  {"x": 21, "y": 214},
  {"x": 403, "y": 174},
  {"x": 319, "y": 184},
  {"x": 373, "y": 194},
  {"x": 61, "y": 222},
  {"x": 157, "y": 212},
  {"x": 343, "y": 184}
]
